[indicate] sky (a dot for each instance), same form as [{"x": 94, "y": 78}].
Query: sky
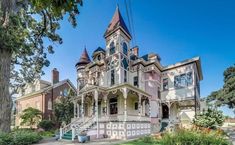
[{"x": 176, "y": 30}]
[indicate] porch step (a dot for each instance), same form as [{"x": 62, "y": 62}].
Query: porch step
[
  {"x": 67, "y": 136},
  {"x": 163, "y": 126}
]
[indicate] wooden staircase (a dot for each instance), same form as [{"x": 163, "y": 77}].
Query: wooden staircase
[{"x": 70, "y": 131}]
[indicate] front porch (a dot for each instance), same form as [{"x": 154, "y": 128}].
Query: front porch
[
  {"x": 119, "y": 112},
  {"x": 173, "y": 113}
]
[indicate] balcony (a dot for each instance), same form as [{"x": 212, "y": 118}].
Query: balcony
[{"x": 186, "y": 93}]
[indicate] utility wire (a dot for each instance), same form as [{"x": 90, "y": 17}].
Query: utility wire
[
  {"x": 132, "y": 23},
  {"x": 128, "y": 17}
]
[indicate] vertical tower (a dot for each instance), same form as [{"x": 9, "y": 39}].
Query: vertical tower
[
  {"x": 118, "y": 40},
  {"x": 82, "y": 77}
]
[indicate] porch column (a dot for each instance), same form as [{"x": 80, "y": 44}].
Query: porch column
[
  {"x": 105, "y": 104},
  {"x": 149, "y": 98},
  {"x": 74, "y": 110},
  {"x": 139, "y": 106},
  {"x": 96, "y": 113},
  {"x": 169, "y": 108},
  {"x": 125, "y": 104},
  {"x": 83, "y": 107}
]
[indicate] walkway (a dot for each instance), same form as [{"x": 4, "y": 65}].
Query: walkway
[
  {"x": 231, "y": 133},
  {"x": 52, "y": 141}
]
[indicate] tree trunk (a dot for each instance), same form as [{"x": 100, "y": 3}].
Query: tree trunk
[{"x": 5, "y": 98}]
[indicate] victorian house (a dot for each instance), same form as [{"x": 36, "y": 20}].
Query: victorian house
[{"x": 123, "y": 95}]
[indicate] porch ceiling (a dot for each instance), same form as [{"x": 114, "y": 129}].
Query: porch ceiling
[{"x": 92, "y": 88}]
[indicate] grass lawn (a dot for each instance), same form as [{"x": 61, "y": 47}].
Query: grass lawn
[
  {"x": 183, "y": 137},
  {"x": 140, "y": 142}
]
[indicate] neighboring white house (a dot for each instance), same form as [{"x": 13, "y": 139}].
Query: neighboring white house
[{"x": 123, "y": 95}]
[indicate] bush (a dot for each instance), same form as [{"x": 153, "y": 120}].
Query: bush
[
  {"x": 147, "y": 140},
  {"x": 20, "y": 137},
  {"x": 46, "y": 134},
  {"x": 209, "y": 119},
  {"x": 6, "y": 139},
  {"x": 46, "y": 125},
  {"x": 184, "y": 137}
]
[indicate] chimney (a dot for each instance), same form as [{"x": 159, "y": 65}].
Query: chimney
[
  {"x": 135, "y": 51},
  {"x": 55, "y": 76}
]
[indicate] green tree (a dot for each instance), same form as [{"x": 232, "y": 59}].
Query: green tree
[
  {"x": 25, "y": 26},
  {"x": 63, "y": 108},
  {"x": 30, "y": 117},
  {"x": 226, "y": 95},
  {"x": 211, "y": 118}
]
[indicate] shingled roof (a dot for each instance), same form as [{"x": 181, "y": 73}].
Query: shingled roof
[
  {"x": 116, "y": 22},
  {"x": 84, "y": 59}
]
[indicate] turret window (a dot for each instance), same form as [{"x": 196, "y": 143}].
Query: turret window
[
  {"x": 112, "y": 48},
  {"x": 125, "y": 63},
  {"x": 125, "y": 49}
]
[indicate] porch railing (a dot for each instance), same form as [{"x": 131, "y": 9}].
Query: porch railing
[{"x": 121, "y": 117}]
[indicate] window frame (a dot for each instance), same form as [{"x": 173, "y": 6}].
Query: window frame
[
  {"x": 112, "y": 49},
  {"x": 136, "y": 81},
  {"x": 183, "y": 80},
  {"x": 113, "y": 105},
  {"x": 112, "y": 77},
  {"x": 125, "y": 48},
  {"x": 165, "y": 88}
]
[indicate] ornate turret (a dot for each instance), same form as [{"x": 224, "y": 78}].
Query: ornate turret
[
  {"x": 84, "y": 59},
  {"x": 116, "y": 23}
]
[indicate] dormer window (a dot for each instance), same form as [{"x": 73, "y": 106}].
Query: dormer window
[
  {"x": 98, "y": 57},
  {"x": 112, "y": 48},
  {"x": 125, "y": 49}
]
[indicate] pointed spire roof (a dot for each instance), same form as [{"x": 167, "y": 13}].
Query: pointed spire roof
[
  {"x": 116, "y": 22},
  {"x": 84, "y": 59}
]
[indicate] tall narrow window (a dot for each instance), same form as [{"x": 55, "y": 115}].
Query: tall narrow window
[
  {"x": 165, "y": 84},
  {"x": 136, "y": 81},
  {"x": 125, "y": 49},
  {"x": 112, "y": 48},
  {"x": 125, "y": 76},
  {"x": 112, "y": 77},
  {"x": 49, "y": 104},
  {"x": 158, "y": 93},
  {"x": 113, "y": 105}
]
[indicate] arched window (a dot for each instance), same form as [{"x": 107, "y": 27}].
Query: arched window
[
  {"x": 125, "y": 49},
  {"x": 125, "y": 63},
  {"x": 112, "y": 48}
]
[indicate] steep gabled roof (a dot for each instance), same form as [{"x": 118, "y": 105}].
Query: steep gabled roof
[
  {"x": 99, "y": 49},
  {"x": 60, "y": 83},
  {"x": 116, "y": 22}
]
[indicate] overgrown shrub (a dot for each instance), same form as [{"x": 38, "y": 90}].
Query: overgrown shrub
[
  {"x": 6, "y": 139},
  {"x": 20, "y": 137},
  {"x": 185, "y": 137},
  {"x": 46, "y": 125},
  {"x": 148, "y": 140},
  {"x": 211, "y": 118}
]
